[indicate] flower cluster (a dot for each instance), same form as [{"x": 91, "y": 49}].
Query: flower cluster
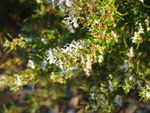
[
  {"x": 136, "y": 38},
  {"x": 73, "y": 52},
  {"x": 88, "y": 67},
  {"x": 31, "y": 64},
  {"x": 70, "y": 19}
]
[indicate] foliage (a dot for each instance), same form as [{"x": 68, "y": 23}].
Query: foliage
[{"x": 91, "y": 44}]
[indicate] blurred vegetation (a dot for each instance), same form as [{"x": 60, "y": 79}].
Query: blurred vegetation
[{"x": 102, "y": 54}]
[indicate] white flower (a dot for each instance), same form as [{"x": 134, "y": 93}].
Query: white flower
[
  {"x": 68, "y": 47},
  {"x": 88, "y": 66},
  {"x": 148, "y": 94},
  {"x": 50, "y": 57},
  {"x": 31, "y": 64},
  {"x": 131, "y": 78},
  {"x": 71, "y": 48},
  {"x": 131, "y": 53},
  {"x": 100, "y": 59},
  {"x": 70, "y": 20},
  {"x": 70, "y": 29},
  {"x": 72, "y": 68},
  {"x": 80, "y": 46},
  {"x": 148, "y": 86},
  {"x": 142, "y": 1},
  {"x": 126, "y": 65},
  {"x": 60, "y": 64},
  {"x": 75, "y": 24},
  {"x": 44, "y": 65},
  {"x": 62, "y": 8},
  {"x": 2, "y": 76},
  {"x": 19, "y": 81},
  {"x": 42, "y": 39},
  {"x": 88, "y": 63},
  {"x": 92, "y": 95},
  {"x": 96, "y": 21},
  {"x": 114, "y": 35},
  {"x": 141, "y": 30},
  {"x": 60, "y": 2},
  {"x": 135, "y": 38},
  {"x": 87, "y": 72},
  {"x": 111, "y": 87},
  {"x": 65, "y": 50},
  {"x": 148, "y": 28},
  {"x": 101, "y": 52},
  {"x": 68, "y": 3},
  {"x": 82, "y": 59}
]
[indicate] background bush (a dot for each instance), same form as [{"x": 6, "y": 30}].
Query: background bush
[{"x": 101, "y": 47}]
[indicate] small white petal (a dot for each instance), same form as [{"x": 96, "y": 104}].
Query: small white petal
[
  {"x": 70, "y": 29},
  {"x": 114, "y": 35},
  {"x": 68, "y": 3},
  {"x": 148, "y": 94},
  {"x": 60, "y": 2},
  {"x": 111, "y": 87},
  {"x": 44, "y": 65},
  {"x": 142, "y": 1},
  {"x": 100, "y": 59},
  {"x": 31, "y": 64},
  {"x": 19, "y": 81},
  {"x": 50, "y": 57},
  {"x": 131, "y": 52}
]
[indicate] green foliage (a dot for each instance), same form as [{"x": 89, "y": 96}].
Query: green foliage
[{"x": 103, "y": 51}]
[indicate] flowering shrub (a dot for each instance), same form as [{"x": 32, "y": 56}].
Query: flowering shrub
[{"x": 103, "y": 44}]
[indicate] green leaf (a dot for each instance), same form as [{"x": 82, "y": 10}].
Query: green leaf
[
  {"x": 34, "y": 82},
  {"x": 87, "y": 107},
  {"x": 9, "y": 35},
  {"x": 4, "y": 106},
  {"x": 138, "y": 45},
  {"x": 39, "y": 56}
]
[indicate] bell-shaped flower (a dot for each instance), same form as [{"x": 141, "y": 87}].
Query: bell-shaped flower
[
  {"x": 19, "y": 81},
  {"x": 75, "y": 24},
  {"x": 59, "y": 63},
  {"x": 88, "y": 66},
  {"x": 50, "y": 57},
  {"x": 31, "y": 64},
  {"x": 141, "y": 30},
  {"x": 69, "y": 18},
  {"x": 100, "y": 59},
  {"x": 131, "y": 53},
  {"x": 114, "y": 34},
  {"x": 142, "y": 1},
  {"x": 135, "y": 37}
]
